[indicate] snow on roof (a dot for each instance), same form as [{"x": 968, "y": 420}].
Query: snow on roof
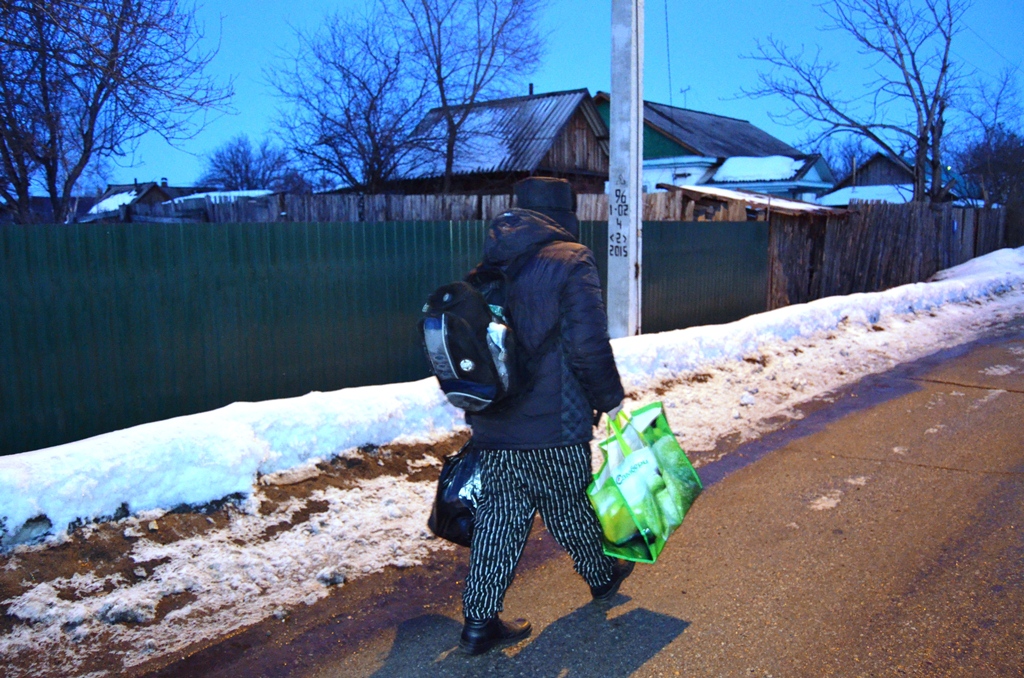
[
  {"x": 224, "y": 196},
  {"x": 892, "y": 193},
  {"x": 113, "y": 202},
  {"x": 505, "y": 135},
  {"x": 771, "y": 168},
  {"x": 760, "y": 200}
]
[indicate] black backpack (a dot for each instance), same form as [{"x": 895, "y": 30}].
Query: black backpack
[{"x": 467, "y": 335}]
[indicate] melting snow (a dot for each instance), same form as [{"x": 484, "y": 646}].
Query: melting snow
[{"x": 827, "y": 501}]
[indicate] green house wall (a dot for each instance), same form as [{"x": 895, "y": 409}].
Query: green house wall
[{"x": 656, "y": 144}]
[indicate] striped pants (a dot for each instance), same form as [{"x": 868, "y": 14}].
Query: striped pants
[{"x": 515, "y": 484}]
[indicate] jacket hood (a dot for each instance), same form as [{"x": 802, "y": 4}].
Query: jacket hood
[{"x": 517, "y": 232}]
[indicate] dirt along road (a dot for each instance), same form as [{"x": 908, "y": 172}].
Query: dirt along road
[{"x": 881, "y": 535}]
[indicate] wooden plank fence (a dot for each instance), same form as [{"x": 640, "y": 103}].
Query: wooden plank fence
[
  {"x": 327, "y": 208},
  {"x": 1015, "y": 225},
  {"x": 874, "y": 247},
  {"x": 344, "y": 208}
]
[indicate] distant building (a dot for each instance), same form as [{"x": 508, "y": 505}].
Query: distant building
[
  {"x": 42, "y": 209},
  {"x": 883, "y": 178},
  {"x": 117, "y": 196},
  {"x": 683, "y": 147},
  {"x": 558, "y": 134},
  {"x": 890, "y": 193},
  {"x": 565, "y": 134}
]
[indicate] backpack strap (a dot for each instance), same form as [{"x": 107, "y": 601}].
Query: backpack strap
[{"x": 484, "y": 276}]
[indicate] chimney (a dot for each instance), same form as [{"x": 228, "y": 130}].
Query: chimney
[
  {"x": 163, "y": 181},
  {"x": 531, "y": 89}
]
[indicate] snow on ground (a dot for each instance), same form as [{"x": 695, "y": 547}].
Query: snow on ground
[
  {"x": 236, "y": 576},
  {"x": 737, "y": 380},
  {"x": 213, "y": 454}
]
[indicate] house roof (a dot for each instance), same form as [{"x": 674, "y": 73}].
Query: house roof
[
  {"x": 507, "y": 135},
  {"x": 144, "y": 187},
  {"x": 117, "y": 195},
  {"x": 708, "y": 134},
  {"x": 110, "y": 201}
]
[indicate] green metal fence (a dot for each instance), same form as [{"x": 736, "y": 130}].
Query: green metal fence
[
  {"x": 702, "y": 273},
  {"x": 104, "y": 326}
]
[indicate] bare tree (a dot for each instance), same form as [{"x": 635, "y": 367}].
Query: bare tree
[
  {"x": 992, "y": 153},
  {"x": 85, "y": 79},
  {"x": 351, "y": 101},
  {"x": 25, "y": 40},
  {"x": 843, "y": 153},
  {"x": 237, "y": 166},
  {"x": 916, "y": 80},
  {"x": 995, "y": 163},
  {"x": 469, "y": 50}
]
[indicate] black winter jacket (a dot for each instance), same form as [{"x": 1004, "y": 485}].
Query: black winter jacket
[{"x": 556, "y": 290}]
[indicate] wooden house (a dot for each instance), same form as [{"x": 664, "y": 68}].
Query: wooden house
[
  {"x": 120, "y": 197},
  {"x": 886, "y": 179},
  {"x": 557, "y": 134}
]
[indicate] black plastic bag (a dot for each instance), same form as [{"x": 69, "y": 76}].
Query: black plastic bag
[{"x": 458, "y": 492}]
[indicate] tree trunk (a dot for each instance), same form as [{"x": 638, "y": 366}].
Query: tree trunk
[
  {"x": 449, "y": 156},
  {"x": 920, "y": 163}
]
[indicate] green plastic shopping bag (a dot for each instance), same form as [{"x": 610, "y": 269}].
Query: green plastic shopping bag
[{"x": 645, "y": 485}]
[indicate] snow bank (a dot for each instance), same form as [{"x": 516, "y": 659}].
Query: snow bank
[
  {"x": 234, "y": 576},
  {"x": 205, "y": 457},
  {"x": 663, "y": 355}
]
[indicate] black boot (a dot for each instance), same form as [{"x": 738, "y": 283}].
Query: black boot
[
  {"x": 620, "y": 570},
  {"x": 480, "y": 635}
]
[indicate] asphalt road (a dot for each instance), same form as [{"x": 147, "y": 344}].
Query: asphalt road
[{"x": 882, "y": 535}]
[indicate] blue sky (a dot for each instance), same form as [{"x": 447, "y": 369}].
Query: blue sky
[{"x": 706, "y": 42}]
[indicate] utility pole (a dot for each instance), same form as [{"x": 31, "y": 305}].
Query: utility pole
[{"x": 625, "y": 176}]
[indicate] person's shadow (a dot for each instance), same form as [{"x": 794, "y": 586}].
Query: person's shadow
[{"x": 583, "y": 643}]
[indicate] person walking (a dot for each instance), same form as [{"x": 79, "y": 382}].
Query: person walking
[{"x": 535, "y": 453}]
